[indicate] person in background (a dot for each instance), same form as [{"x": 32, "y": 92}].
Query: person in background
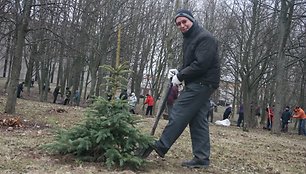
[
  {"x": 227, "y": 111},
  {"x": 257, "y": 114},
  {"x": 44, "y": 88},
  {"x": 270, "y": 114},
  {"x": 150, "y": 102},
  {"x": 240, "y": 116},
  {"x": 123, "y": 94},
  {"x": 109, "y": 97},
  {"x": 32, "y": 83},
  {"x": 132, "y": 101},
  {"x": 68, "y": 95},
  {"x": 20, "y": 89},
  {"x": 77, "y": 98},
  {"x": 285, "y": 118},
  {"x": 300, "y": 114},
  {"x": 172, "y": 97},
  {"x": 56, "y": 92},
  {"x": 201, "y": 74}
]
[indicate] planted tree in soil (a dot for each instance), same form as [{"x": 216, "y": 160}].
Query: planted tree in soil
[{"x": 108, "y": 133}]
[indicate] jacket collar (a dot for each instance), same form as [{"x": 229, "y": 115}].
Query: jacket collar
[{"x": 191, "y": 30}]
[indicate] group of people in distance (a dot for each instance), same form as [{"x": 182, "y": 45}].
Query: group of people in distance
[
  {"x": 68, "y": 96},
  {"x": 297, "y": 113},
  {"x": 132, "y": 102},
  {"x": 286, "y": 116}
]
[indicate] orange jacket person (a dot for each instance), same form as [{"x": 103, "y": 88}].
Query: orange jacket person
[
  {"x": 150, "y": 102},
  {"x": 300, "y": 114}
]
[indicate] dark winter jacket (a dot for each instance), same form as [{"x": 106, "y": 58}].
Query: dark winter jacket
[
  {"x": 286, "y": 116},
  {"x": 68, "y": 94},
  {"x": 201, "y": 59},
  {"x": 227, "y": 113},
  {"x": 20, "y": 87},
  {"x": 241, "y": 109},
  {"x": 56, "y": 91},
  {"x": 123, "y": 95}
]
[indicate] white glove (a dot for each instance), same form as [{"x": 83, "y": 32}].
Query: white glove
[
  {"x": 180, "y": 87},
  {"x": 175, "y": 80},
  {"x": 172, "y": 72}
]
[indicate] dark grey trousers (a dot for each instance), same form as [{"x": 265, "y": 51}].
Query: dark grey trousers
[{"x": 191, "y": 108}]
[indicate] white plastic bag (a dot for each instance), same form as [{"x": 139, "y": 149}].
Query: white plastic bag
[{"x": 225, "y": 122}]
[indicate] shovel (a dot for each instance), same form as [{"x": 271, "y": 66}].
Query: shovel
[{"x": 162, "y": 108}]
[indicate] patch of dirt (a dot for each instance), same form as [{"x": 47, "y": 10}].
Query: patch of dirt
[{"x": 22, "y": 124}]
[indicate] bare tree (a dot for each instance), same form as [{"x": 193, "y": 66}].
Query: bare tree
[
  {"x": 21, "y": 31},
  {"x": 281, "y": 73}
]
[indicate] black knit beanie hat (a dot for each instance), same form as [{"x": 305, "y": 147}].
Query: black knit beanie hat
[{"x": 184, "y": 13}]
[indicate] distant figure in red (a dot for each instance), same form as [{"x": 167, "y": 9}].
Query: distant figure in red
[
  {"x": 150, "y": 102},
  {"x": 270, "y": 115}
]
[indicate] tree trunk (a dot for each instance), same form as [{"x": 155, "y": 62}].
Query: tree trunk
[
  {"x": 303, "y": 83},
  {"x": 22, "y": 27},
  {"x": 7, "y": 56},
  {"x": 93, "y": 75},
  {"x": 284, "y": 27},
  {"x": 29, "y": 73}
]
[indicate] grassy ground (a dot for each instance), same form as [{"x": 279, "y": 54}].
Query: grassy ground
[{"x": 233, "y": 151}]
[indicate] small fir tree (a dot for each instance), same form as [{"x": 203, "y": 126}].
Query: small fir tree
[{"x": 108, "y": 133}]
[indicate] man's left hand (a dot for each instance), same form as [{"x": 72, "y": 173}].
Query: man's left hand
[{"x": 176, "y": 81}]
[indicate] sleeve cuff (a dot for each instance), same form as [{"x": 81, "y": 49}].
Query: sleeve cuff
[{"x": 179, "y": 77}]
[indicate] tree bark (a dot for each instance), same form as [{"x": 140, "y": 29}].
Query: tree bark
[
  {"x": 286, "y": 12},
  {"x": 22, "y": 28}
]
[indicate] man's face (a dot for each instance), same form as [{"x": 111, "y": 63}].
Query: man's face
[{"x": 183, "y": 23}]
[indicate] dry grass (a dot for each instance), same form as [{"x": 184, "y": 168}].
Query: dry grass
[{"x": 233, "y": 151}]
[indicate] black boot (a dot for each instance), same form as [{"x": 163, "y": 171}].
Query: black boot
[
  {"x": 196, "y": 163},
  {"x": 144, "y": 153}
]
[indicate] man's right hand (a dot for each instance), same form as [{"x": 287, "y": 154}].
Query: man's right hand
[{"x": 172, "y": 72}]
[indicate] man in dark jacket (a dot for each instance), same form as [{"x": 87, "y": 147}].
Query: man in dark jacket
[
  {"x": 227, "y": 111},
  {"x": 123, "y": 95},
  {"x": 241, "y": 116},
  {"x": 19, "y": 89},
  {"x": 286, "y": 115},
  {"x": 68, "y": 95},
  {"x": 55, "y": 93},
  {"x": 201, "y": 74}
]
